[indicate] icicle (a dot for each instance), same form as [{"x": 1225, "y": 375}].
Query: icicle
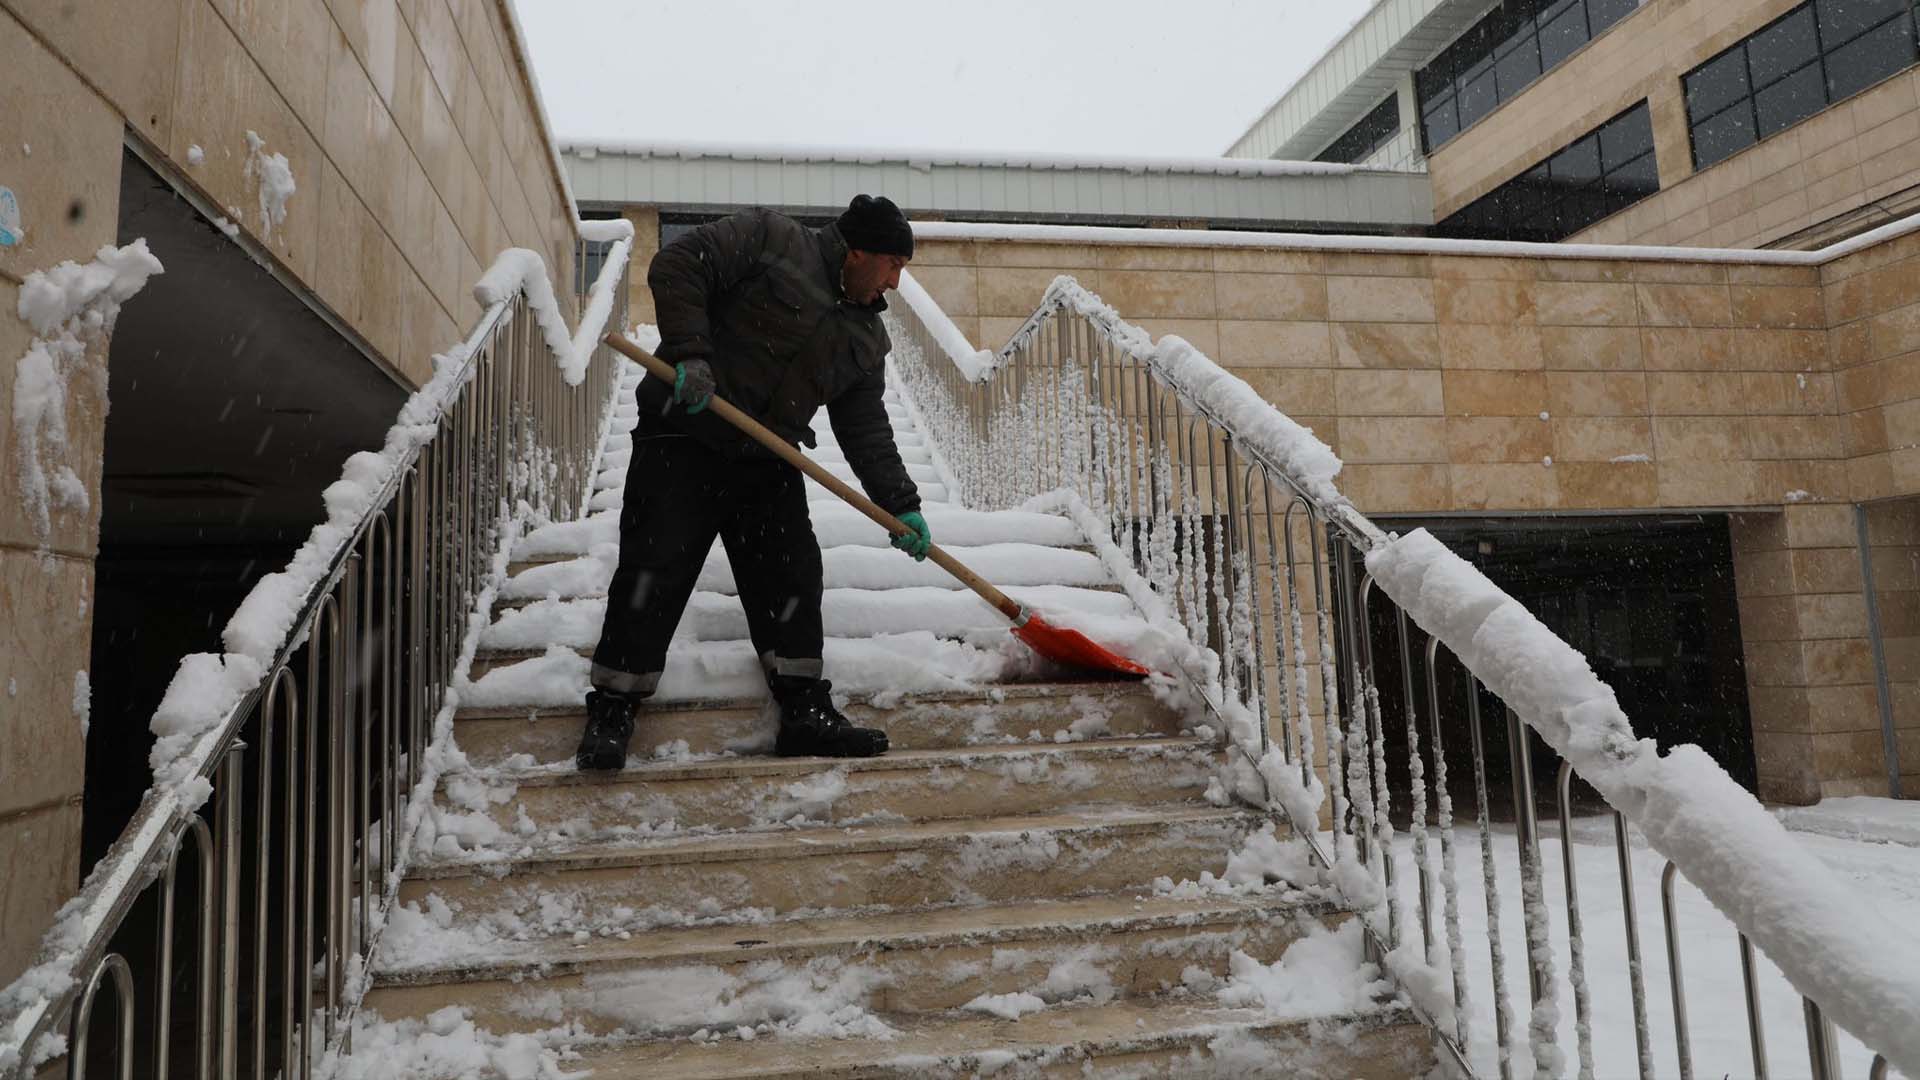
[{"x": 1382, "y": 810}]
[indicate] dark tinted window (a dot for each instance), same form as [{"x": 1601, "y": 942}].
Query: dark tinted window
[
  {"x": 1783, "y": 48},
  {"x": 1719, "y": 83},
  {"x": 1870, "y": 57},
  {"x": 1603, "y": 171},
  {"x": 1368, "y": 134},
  {"x": 1502, "y": 54},
  {"x": 1820, "y": 52}
]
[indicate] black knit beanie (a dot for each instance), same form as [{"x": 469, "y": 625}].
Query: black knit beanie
[{"x": 876, "y": 225}]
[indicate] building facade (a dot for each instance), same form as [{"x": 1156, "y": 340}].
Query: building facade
[{"x": 323, "y": 182}]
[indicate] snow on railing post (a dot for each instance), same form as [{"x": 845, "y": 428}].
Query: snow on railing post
[{"x": 1450, "y": 878}]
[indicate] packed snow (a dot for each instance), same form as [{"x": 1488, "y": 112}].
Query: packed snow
[
  {"x": 71, "y": 309},
  {"x": 273, "y": 176}
]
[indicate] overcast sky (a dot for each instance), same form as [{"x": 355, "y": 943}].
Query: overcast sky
[{"x": 1140, "y": 77}]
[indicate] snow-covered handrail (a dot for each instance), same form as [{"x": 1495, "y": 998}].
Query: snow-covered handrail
[
  {"x": 1128, "y": 444},
  {"x": 213, "y": 695},
  {"x": 974, "y": 364},
  {"x": 520, "y": 270}
]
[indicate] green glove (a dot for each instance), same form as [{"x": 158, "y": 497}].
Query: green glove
[
  {"x": 693, "y": 384},
  {"x": 918, "y": 542}
]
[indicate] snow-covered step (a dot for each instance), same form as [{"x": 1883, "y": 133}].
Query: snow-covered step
[
  {"x": 1020, "y": 712},
  {"x": 560, "y": 887},
  {"x": 739, "y": 792},
  {"x": 611, "y": 498},
  {"x": 834, "y": 525},
  {"x": 899, "y": 962},
  {"x": 912, "y": 455},
  {"x": 530, "y": 630},
  {"x": 1127, "y": 1039},
  {"x": 614, "y": 478},
  {"x": 844, "y": 567}
]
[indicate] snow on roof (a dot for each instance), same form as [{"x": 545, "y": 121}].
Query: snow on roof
[
  {"x": 1412, "y": 245},
  {"x": 588, "y": 148}
]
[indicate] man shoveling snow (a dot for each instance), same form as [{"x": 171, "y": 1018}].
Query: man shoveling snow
[{"x": 780, "y": 320}]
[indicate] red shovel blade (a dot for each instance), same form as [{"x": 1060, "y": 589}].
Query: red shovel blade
[{"x": 1061, "y": 645}]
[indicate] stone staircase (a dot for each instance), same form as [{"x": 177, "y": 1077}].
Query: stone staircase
[{"x": 1043, "y": 878}]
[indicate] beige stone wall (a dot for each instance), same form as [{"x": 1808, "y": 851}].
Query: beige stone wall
[
  {"x": 416, "y": 147},
  {"x": 1430, "y": 375},
  {"x": 646, "y": 244},
  {"x": 1836, "y": 163},
  {"x": 1893, "y": 537}
]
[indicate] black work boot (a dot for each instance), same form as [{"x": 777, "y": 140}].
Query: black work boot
[
  {"x": 603, "y": 745},
  {"x": 810, "y": 726}
]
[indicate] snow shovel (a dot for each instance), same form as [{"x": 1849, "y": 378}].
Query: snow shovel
[{"x": 1056, "y": 643}]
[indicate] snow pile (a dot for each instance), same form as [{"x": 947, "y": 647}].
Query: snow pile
[
  {"x": 1006, "y": 1006},
  {"x": 1833, "y": 946},
  {"x": 83, "y": 701},
  {"x": 974, "y": 364},
  {"x": 825, "y": 997},
  {"x": 1323, "y": 973},
  {"x": 444, "y": 1046},
  {"x": 274, "y": 177},
  {"x": 71, "y": 308}
]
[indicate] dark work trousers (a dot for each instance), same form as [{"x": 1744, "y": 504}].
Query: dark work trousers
[{"x": 679, "y": 496}]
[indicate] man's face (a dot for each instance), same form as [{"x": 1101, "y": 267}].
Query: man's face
[{"x": 868, "y": 274}]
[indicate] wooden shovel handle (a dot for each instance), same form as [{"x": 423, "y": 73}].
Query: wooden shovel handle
[{"x": 662, "y": 370}]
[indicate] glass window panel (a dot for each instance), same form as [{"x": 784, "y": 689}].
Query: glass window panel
[
  {"x": 1432, "y": 81},
  {"x": 1869, "y": 58},
  {"x": 1790, "y": 100},
  {"x": 1783, "y": 47},
  {"x": 1636, "y": 179},
  {"x": 1626, "y": 137},
  {"x": 1442, "y": 123},
  {"x": 1724, "y": 135},
  {"x": 1716, "y": 84},
  {"x": 1843, "y": 20},
  {"x": 1604, "y": 13},
  {"x": 1518, "y": 66},
  {"x": 1477, "y": 98},
  {"x": 1578, "y": 164},
  {"x": 1562, "y": 36}
]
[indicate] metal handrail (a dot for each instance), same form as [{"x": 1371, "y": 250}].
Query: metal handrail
[
  {"x": 1215, "y": 524},
  {"x": 341, "y": 749}
]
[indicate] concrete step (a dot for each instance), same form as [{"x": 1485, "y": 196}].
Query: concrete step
[
  {"x": 920, "y": 785},
  {"x": 1178, "y": 1038},
  {"x": 899, "y": 962},
  {"x": 1031, "y": 712},
  {"x": 563, "y": 887}
]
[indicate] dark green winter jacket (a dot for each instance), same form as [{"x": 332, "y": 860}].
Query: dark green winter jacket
[{"x": 757, "y": 296}]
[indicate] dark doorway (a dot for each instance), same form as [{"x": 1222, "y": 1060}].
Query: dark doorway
[
  {"x": 233, "y": 404},
  {"x": 1650, "y": 601}
]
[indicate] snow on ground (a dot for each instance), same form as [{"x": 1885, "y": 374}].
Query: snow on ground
[
  {"x": 1858, "y": 817},
  {"x": 1886, "y": 876}
]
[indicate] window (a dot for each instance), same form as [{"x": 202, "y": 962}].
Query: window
[
  {"x": 1606, "y": 170},
  {"x": 1370, "y": 133},
  {"x": 1503, "y": 54},
  {"x": 1795, "y": 66}
]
